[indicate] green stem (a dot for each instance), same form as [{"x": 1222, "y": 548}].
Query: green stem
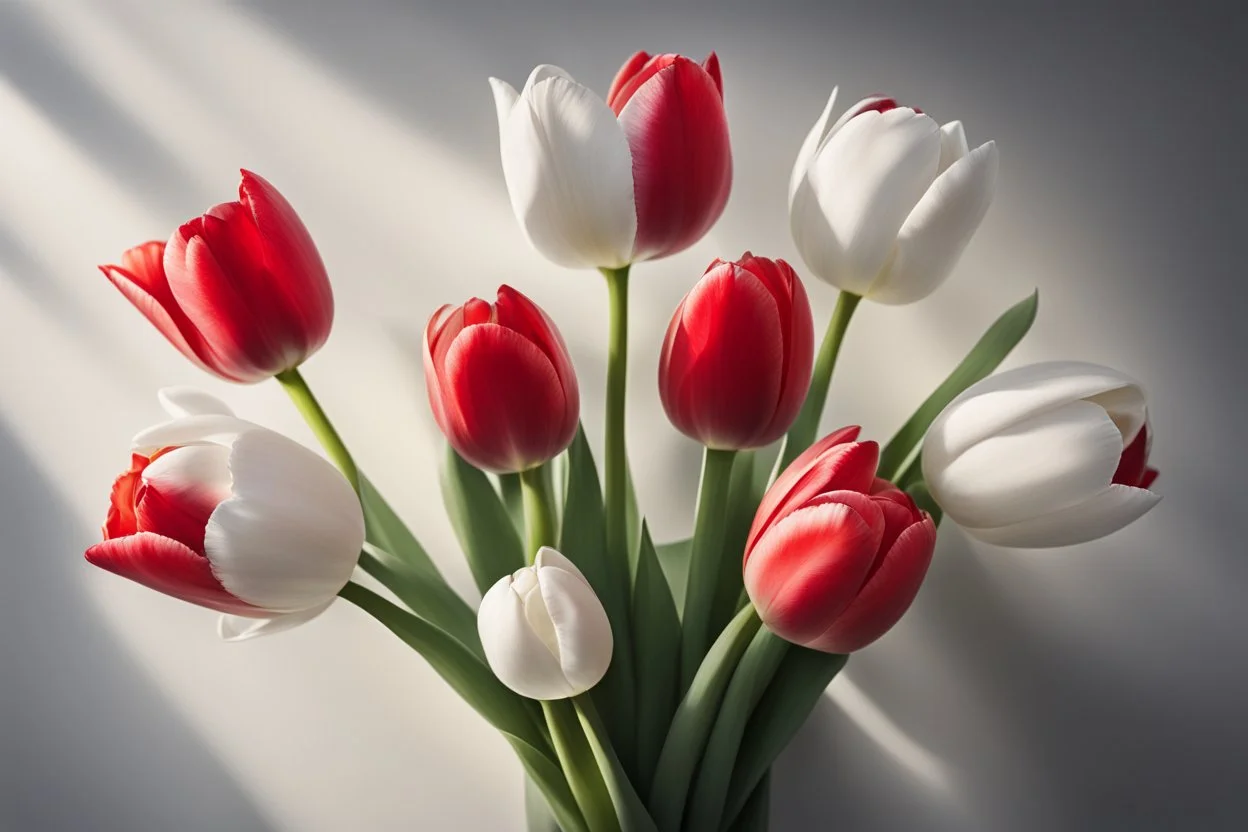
[
  {"x": 296, "y": 387},
  {"x": 615, "y": 460},
  {"x": 802, "y": 433},
  {"x": 539, "y": 512},
  {"x": 706, "y": 560},
  {"x": 629, "y": 809},
  {"x": 579, "y": 765}
]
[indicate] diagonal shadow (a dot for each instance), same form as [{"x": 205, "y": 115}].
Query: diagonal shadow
[{"x": 86, "y": 734}]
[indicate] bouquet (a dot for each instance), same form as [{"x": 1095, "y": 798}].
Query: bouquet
[{"x": 643, "y": 685}]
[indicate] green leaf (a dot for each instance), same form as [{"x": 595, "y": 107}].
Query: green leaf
[
  {"x": 674, "y": 560},
  {"x": 656, "y": 640},
  {"x": 924, "y": 500},
  {"x": 582, "y": 770},
  {"x": 583, "y": 540},
  {"x": 755, "y": 815},
  {"x": 749, "y": 681},
  {"x": 401, "y": 564},
  {"x": 984, "y": 357},
  {"x": 548, "y": 778},
  {"x": 693, "y": 721},
  {"x": 628, "y": 806},
  {"x": 481, "y": 522},
  {"x": 802, "y": 678},
  {"x": 512, "y": 492},
  {"x": 539, "y": 816},
  {"x": 737, "y": 520}
]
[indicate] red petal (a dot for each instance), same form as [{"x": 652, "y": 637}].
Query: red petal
[
  {"x": 170, "y": 567},
  {"x": 711, "y": 65},
  {"x": 886, "y": 595},
  {"x": 1133, "y": 466},
  {"x": 630, "y": 69},
  {"x": 682, "y": 162},
  {"x": 517, "y": 312},
  {"x": 628, "y": 87},
  {"x": 809, "y": 567},
  {"x": 505, "y": 407},
  {"x": 121, "y": 518}
]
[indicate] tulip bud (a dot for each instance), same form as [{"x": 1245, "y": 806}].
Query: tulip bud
[
  {"x": 231, "y": 516},
  {"x": 883, "y": 201},
  {"x": 241, "y": 291},
  {"x": 642, "y": 175},
  {"x": 500, "y": 382},
  {"x": 1050, "y": 454},
  {"x": 836, "y": 556},
  {"x": 545, "y": 633},
  {"x": 737, "y": 358}
]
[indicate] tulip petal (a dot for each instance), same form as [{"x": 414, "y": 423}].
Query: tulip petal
[
  {"x": 179, "y": 491},
  {"x": 234, "y": 628},
  {"x": 516, "y": 655},
  {"x": 515, "y": 311},
  {"x": 681, "y": 159},
  {"x": 811, "y": 144},
  {"x": 180, "y": 402},
  {"x": 1101, "y": 515},
  {"x": 554, "y": 559},
  {"x": 191, "y": 430},
  {"x": 808, "y": 567},
  {"x": 887, "y": 594},
  {"x": 627, "y": 72},
  {"x": 953, "y": 144},
  {"x": 937, "y": 231},
  {"x": 1055, "y": 459},
  {"x": 569, "y": 174},
  {"x": 581, "y": 627},
  {"x": 1001, "y": 400},
  {"x": 167, "y": 566},
  {"x": 289, "y": 537},
  {"x": 858, "y": 191}
]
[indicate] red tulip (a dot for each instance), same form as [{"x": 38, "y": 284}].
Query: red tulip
[
  {"x": 500, "y": 382},
  {"x": 737, "y": 358},
  {"x": 672, "y": 112},
  {"x": 241, "y": 291},
  {"x": 836, "y": 555}
]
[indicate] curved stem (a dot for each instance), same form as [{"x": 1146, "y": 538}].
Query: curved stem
[
  {"x": 293, "y": 383},
  {"x": 576, "y": 758},
  {"x": 706, "y": 559},
  {"x": 539, "y": 511},
  {"x": 802, "y": 434},
  {"x": 615, "y": 460}
]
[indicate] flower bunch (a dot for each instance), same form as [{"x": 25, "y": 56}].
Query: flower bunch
[{"x": 643, "y": 686}]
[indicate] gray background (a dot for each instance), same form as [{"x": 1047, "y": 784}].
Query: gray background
[{"x": 1097, "y": 688}]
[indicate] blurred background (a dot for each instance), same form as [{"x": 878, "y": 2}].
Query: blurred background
[{"x": 1096, "y": 688}]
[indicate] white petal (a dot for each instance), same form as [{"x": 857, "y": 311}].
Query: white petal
[
  {"x": 1104, "y": 514},
  {"x": 936, "y": 232},
  {"x": 813, "y": 139},
  {"x": 188, "y": 401},
  {"x": 549, "y": 558},
  {"x": 240, "y": 628},
  {"x": 569, "y": 173},
  {"x": 953, "y": 144},
  {"x": 514, "y": 652},
  {"x": 1001, "y": 400},
  {"x": 289, "y": 536},
  {"x": 859, "y": 189},
  {"x": 191, "y": 430},
  {"x": 1052, "y": 460},
  {"x": 540, "y": 73},
  {"x": 505, "y": 97},
  {"x": 200, "y": 473},
  {"x": 581, "y": 626}
]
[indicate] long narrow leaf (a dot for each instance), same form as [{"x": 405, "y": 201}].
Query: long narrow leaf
[
  {"x": 656, "y": 639},
  {"x": 481, "y": 522},
  {"x": 755, "y": 816},
  {"x": 628, "y": 806},
  {"x": 984, "y": 357},
  {"x": 548, "y": 779},
  {"x": 674, "y": 561}
]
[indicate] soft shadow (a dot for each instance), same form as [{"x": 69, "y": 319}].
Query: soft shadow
[{"x": 86, "y": 735}]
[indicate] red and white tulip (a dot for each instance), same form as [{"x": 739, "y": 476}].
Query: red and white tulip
[
  {"x": 231, "y": 516},
  {"x": 639, "y": 176},
  {"x": 1049, "y": 454},
  {"x": 240, "y": 291},
  {"x": 883, "y": 201}
]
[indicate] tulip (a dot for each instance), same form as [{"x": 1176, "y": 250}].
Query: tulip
[
  {"x": 836, "y": 555},
  {"x": 228, "y": 515},
  {"x": 883, "y": 201},
  {"x": 545, "y": 633},
  {"x": 736, "y": 361},
  {"x": 1050, "y": 454},
  {"x": 639, "y": 176},
  {"x": 241, "y": 291},
  {"x": 500, "y": 382}
]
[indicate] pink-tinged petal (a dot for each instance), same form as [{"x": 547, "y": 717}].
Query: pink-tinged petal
[
  {"x": 502, "y": 398},
  {"x": 168, "y": 566},
  {"x": 292, "y": 261},
  {"x": 626, "y": 74},
  {"x": 180, "y": 490},
  {"x": 839, "y": 465},
  {"x": 808, "y": 567},
  {"x": 888, "y": 592},
  {"x": 682, "y": 161},
  {"x": 721, "y": 366}
]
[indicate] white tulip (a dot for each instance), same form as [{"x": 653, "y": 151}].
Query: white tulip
[
  {"x": 545, "y": 633},
  {"x": 1031, "y": 457},
  {"x": 882, "y": 203},
  {"x": 229, "y": 515}
]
